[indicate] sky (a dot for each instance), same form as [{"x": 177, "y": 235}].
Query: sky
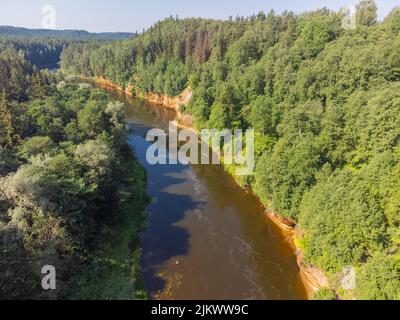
[{"x": 135, "y": 15}]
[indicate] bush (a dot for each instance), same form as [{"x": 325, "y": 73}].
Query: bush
[{"x": 324, "y": 294}]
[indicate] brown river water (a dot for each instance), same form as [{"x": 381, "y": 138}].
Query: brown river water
[{"x": 207, "y": 238}]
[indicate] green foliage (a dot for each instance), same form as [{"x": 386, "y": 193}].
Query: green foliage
[
  {"x": 324, "y": 294},
  {"x": 284, "y": 174},
  {"x": 96, "y": 155},
  {"x": 262, "y": 116},
  {"x": 219, "y": 118},
  {"x": 14, "y": 74},
  {"x": 42, "y": 48},
  {"x": 8, "y": 161},
  {"x": 7, "y": 128},
  {"x": 325, "y": 106},
  {"x": 35, "y": 146},
  {"x": 117, "y": 112},
  {"x": 64, "y": 179},
  {"x": 367, "y": 13},
  {"x": 316, "y": 32},
  {"x": 344, "y": 220},
  {"x": 378, "y": 279},
  {"x": 244, "y": 50},
  {"x": 91, "y": 119},
  {"x": 23, "y": 33},
  {"x": 114, "y": 270}
]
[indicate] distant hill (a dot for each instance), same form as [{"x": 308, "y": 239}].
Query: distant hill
[{"x": 8, "y": 31}]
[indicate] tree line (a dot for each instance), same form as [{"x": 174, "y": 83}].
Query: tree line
[{"x": 43, "y": 48}]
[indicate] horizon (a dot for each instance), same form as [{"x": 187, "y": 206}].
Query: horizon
[
  {"x": 135, "y": 16},
  {"x": 61, "y": 30}
]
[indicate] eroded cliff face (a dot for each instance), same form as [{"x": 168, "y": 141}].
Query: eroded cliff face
[
  {"x": 313, "y": 277},
  {"x": 172, "y": 103},
  {"x": 283, "y": 222},
  {"x": 104, "y": 82}
]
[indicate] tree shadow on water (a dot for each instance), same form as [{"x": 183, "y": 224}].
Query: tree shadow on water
[{"x": 163, "y": 239}]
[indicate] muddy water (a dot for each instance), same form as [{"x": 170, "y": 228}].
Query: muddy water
[{"x": 206, "y": 237}]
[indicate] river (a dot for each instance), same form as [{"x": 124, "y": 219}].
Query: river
[{"x": 207, "y": 238}]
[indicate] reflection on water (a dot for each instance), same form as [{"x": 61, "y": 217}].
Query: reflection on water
[{"x": 207, "y": 238}]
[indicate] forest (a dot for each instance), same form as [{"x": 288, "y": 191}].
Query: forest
[
  {"x": 42, "y": 53},
  {"x": 325, "y": 104},
  {"x": 43, "y": 48},
  {"x": 15, "y": 32},
  {"x": 67, "y": 180}
]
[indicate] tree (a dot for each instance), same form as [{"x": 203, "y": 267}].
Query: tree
[
  {"x": 284, "y": 174},
  {"x": 324, "y": 294},
  {"x": 325, "y": 106},
  {"x": 58, "y": 189},
  {"x": 8, "y": 161},
  {"x": 91, "y": 119},
  {"x": 262, "y": 116},
  {"x": 117, "y": 112},
  {"x": 244, "y": 50},
  {"x": 17, "y": 281},
  {"x": 8, "y": 135},
  {"x": 367, "y": 13},
  {"x": 35, "y": 146},
  {"x": 97, "y": 155},
  {"x": 378, "y": 279},
  {"x": 219, "y": 118}
]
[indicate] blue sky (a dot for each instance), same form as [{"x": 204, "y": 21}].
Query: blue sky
[{"x": 132, "y": 15}]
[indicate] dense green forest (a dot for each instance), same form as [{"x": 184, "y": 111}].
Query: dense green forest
[
  {"x": 67, "y": 180},
  {"x": 42, "y": 53},
  {"x": 43, "y": 47},
  {"x": 325, "y": 103},
  {"x": 7, "y": 31}
]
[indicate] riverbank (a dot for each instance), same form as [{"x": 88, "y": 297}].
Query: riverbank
[
  {"x": 312, "y": 278},
  {"x": 113, "y": 270}
]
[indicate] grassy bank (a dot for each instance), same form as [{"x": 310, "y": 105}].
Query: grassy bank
[{"x": 113, "y": 272}]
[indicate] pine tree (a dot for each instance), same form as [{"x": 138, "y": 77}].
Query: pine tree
[
  {"x": 8, "y": 135},
  {"x": 367, "y": 13},
  {"x": 37, "y": 89}
]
